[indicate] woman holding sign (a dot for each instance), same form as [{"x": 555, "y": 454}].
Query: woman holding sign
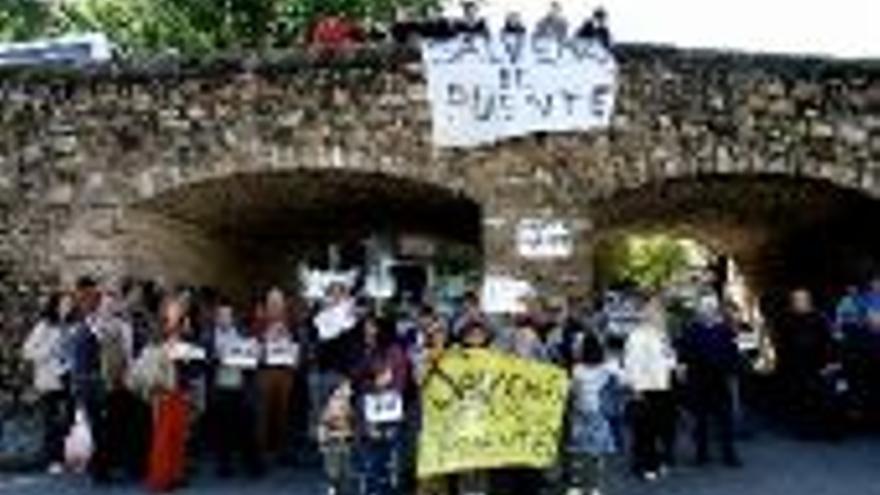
[
  {"x": 236, "y": 356},
  {"x": 280, "y": 352},
  {"x": 381, "y": 382}
]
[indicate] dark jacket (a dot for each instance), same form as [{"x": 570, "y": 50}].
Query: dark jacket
[
  {"x": 86, "y": 366},
  {"x": 803, "y": 343},
  {"x": 590, "y": 31},
  {"x": 710, "y": 353}
]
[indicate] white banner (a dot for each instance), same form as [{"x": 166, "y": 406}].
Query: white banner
[{"x": 486, "y": 89}]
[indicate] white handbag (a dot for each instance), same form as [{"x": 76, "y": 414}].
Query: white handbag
[{"x": 79, "y": 445}]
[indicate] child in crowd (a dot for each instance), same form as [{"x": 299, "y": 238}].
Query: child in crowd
[
  {"x": 475, "y": 334},
  {"x": 336, "y": 437},
  {"x": 590, "y": 437},
  {"x": 618, "y": 397},
  {"x": 380, "y": 387}
]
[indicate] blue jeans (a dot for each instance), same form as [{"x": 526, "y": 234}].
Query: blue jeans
[{"x": 380, "y": 460}]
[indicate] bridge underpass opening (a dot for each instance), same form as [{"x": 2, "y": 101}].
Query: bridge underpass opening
[
  {"x": 681, "y": 269},
  {"x": 781, "y": 232},
  {"x": 243, "y": 233}
]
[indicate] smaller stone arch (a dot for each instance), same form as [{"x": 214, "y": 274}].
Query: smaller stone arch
[{"x": 783, "y": 230}]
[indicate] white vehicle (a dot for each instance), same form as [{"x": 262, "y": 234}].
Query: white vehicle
[{"x": 76, "y": 50}]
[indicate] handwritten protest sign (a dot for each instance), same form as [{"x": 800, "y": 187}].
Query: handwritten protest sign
[
  {"x": 544, "y": 239},
  {"x": 486, "y": 89},
  {"x": 484, "y": 410}
]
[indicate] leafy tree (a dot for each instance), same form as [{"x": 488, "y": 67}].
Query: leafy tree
[
  {"x": 24, "y": 19},
  {"x": 650, "y": 261},
  {"x": 184, "y": 25},
  {"x": 190, "y": 26}
]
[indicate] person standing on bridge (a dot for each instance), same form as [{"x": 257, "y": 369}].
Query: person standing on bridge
[
  {"x": 553, "y": 25},
  {"x": 381, "y": 389},
  {"x": 591, "y": 403},
  {"x": 336, "y": 432},
  {"x": 471, "y": 24},
  {"x": 275, "y": 378},
  {"x": 804, "y": 349},
  {"x": 164, "y": 365},
  {"x": 47, "y": 348},
  {"x": 709, "y": 352},
  {"x": 236, "y": 355},
  {"x": 473, "y": 334},
  {"x": 649, "y": 363},
  {"x": 596, "y": 29},
  {"x": 87, "y": 380}
]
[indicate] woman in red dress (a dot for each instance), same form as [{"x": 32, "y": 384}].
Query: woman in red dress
[{"x": 167, "y": 462}]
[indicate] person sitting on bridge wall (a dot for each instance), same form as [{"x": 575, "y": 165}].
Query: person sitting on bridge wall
[
  {"x": 335, "y": 33},
  {"x": 596, "y": 28},
  {"x": 406, "y": 29},
  {"x": 513, "y": 25},
  {"x": 471, "y": 23},
  {"x": 553, "y": 24}
]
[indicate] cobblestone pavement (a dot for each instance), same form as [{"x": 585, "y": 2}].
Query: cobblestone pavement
[{"x": 774, "y": 466}]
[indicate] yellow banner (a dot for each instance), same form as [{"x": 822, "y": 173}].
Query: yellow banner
[{"x": 484, "y": 410}]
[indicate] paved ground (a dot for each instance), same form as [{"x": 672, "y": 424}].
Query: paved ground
[{"x": 774, "y": 466}]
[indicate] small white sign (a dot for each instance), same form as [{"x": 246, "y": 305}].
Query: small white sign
[
  {"x": 383, "y": 408},
  {"x": 505, "y": 295},
  {"x": 335, "y": 320},
  {"x": 282, "y": 353},
  {"x": 316, "y": 282},
  {"x": 184, "y": 351},
  {"x": 544, "y": 239},
  {"x": 244, "y": 354}
]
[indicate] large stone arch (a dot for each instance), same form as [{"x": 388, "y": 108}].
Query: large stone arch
[{"x": 240, "y": 230}]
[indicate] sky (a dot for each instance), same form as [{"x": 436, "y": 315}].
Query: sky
[{"x": 842, "y": 28}]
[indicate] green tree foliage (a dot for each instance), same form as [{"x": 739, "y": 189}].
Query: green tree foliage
[
  {"x": 24, "y": 19},
  {"x": 651, "y": 261},
  {"x": 190, "y": 26}
]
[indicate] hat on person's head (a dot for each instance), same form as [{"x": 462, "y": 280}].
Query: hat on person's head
[
  {"x": 86, "y": 282},
  {"x": 600, "y": 13}
]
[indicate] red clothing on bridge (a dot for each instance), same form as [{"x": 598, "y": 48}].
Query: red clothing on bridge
[{"x": 335, "y": 32}]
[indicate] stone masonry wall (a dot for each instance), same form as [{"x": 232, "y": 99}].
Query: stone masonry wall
[{"x": 80, "y": 151}]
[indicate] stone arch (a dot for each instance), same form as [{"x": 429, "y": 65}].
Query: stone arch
[
  {"x": 783, "y": 230},
  {"x": 854, "y": 178},
  {"x": 219, "y": 229}
]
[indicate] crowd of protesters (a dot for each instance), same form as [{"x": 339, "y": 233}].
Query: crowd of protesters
[
  {"x": 169, "y": 378},
  {"x": 337, "y": 32}
]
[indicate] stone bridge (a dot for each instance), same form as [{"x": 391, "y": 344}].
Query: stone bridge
[{"x": 215, "y": 171}]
